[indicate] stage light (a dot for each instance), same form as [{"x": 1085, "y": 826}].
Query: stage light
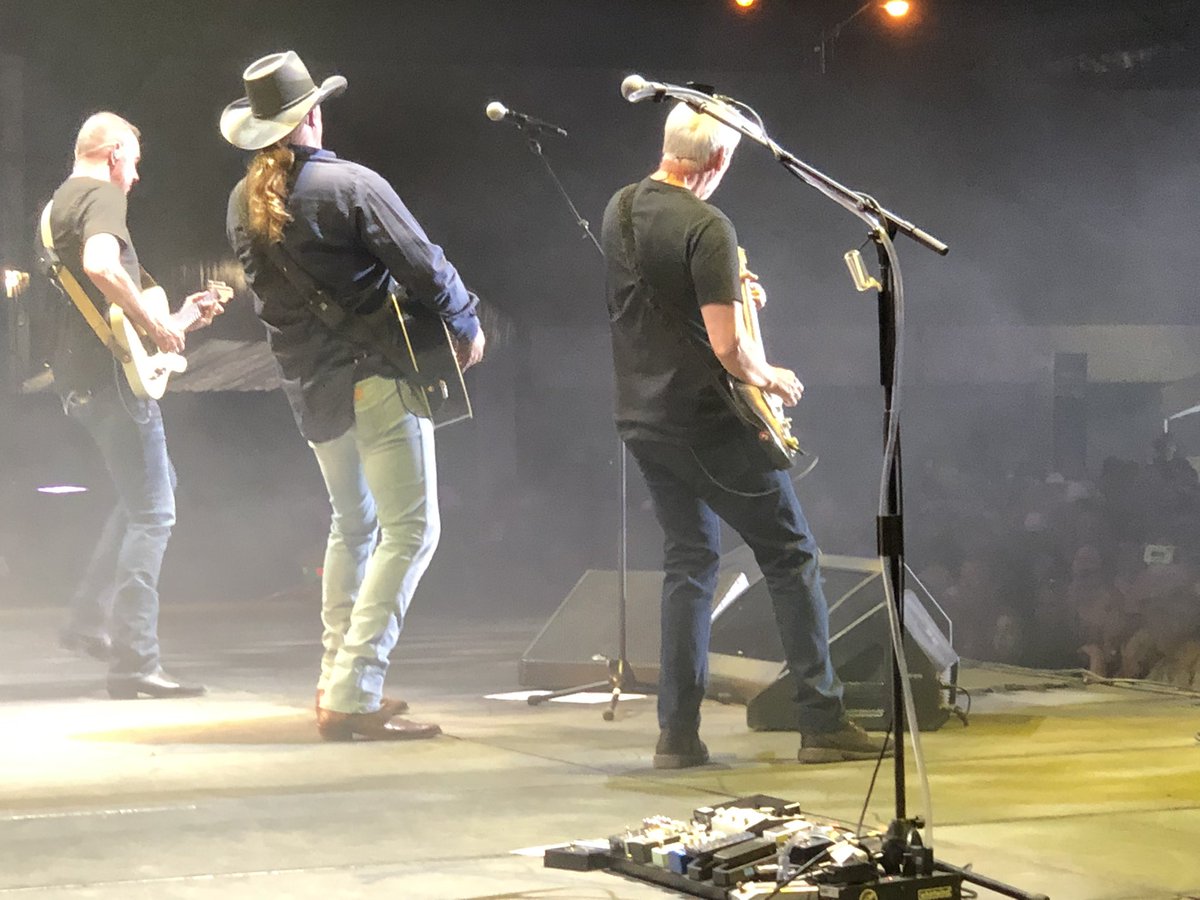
[
  {"x": 897, "y": 9},
  {"x": 15, "y": 282},
  {"x": 745, "y": 4},
  {"x": 62, "y": 489}
]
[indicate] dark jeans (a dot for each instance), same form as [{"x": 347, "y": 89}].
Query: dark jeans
[
  {"x": 121, "y": 579},
  {"x": 690, "y": 489}
]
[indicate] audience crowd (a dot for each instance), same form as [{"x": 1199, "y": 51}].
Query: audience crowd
[{"x": 1039, "y": 570}]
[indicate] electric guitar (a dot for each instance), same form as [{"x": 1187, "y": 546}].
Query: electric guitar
[
  {"x": 762, "y": 412},
  {"x": 148, "y": 369}
]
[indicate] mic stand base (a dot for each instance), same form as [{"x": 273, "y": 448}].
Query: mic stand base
[
  {"x": 904, "y": 855},
  {"x": 620, "y": 679}
]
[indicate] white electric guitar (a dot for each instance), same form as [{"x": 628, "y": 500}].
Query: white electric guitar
[{"x": 148, "y": 369}]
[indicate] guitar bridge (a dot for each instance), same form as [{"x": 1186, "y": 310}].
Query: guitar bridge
[{"x": 437, "y": 392}]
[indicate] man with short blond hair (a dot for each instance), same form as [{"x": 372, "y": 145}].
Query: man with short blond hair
[
  {"x": 674, "y": 288},
  {"x": 101, "y": 131},
  {"x": 114, "y": 612}
]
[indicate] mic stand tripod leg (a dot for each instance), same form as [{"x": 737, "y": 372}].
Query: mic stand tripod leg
[
  {"x": 539, "y": 699},
  {"x": 616, "y": 677},
  {"x": 620, "y": 677},
  {"x": 991, "y": 884}
]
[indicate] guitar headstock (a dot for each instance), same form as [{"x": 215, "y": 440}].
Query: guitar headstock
[{"x": 220, "y": 291}]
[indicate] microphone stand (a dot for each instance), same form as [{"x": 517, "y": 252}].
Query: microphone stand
[
  {"x": 903, "y": 852},
  {"x": 620, "y": 674}
]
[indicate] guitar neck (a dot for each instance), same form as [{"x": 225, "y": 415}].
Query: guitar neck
[
  {"x": 186, "y": 318},
  {"x": 749, "y": 310}
]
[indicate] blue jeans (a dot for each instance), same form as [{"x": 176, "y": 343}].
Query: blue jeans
[
  {"x": 692, "y": 489},
  {"x": 382, "y": 481},
  {"x": 119, "y": 589}
]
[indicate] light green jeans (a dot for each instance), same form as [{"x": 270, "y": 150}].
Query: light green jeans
[{"x": 382, "y": 481}]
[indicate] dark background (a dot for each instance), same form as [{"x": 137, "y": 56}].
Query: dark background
[{"x": 1053, "y": 145}]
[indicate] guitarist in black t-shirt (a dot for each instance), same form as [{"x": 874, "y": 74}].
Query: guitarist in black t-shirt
[
  {"x": 114, "y": 613},
  {"x": 675, "y": 288}
]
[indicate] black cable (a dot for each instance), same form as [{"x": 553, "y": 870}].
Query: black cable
[
  {"x": 121, "y": 383},
  {"x": 967, "y": 711},
  {"x": 858, "y": 829},
  {"x": 874, "y": 776},
  {"x": 779, "y": 887}
]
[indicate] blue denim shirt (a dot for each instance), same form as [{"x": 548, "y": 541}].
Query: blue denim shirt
[{"x": 352, "y": 234}]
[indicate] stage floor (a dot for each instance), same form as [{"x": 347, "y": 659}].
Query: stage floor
[{"x": 1081, "y": 794}]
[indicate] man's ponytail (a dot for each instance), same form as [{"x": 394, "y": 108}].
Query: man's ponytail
[{"x": 267, "y": 192}]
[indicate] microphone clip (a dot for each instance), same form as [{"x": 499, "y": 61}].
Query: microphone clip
[{"x": 533, "y": 126}]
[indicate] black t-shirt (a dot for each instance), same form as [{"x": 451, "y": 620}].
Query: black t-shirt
[
  {"x": 84, "y": 207},
  {"x": 668, "y": 378}
]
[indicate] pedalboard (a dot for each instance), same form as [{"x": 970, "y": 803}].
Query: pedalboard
[{"x": 757, "y": 847}]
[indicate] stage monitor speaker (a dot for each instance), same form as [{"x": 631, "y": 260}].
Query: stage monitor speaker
[
  {"x": 746, "y": 663},
  {"x": 575, "y": 644}
]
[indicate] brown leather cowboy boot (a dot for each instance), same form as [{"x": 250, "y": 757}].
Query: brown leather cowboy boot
[
  {"x": 396, "y": 706},
  {"x": 373, "y": 726}
]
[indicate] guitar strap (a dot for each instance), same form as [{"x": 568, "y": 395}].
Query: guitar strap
[
  {"x": 66, "y": 281},
  {"x": 629, "y": 241},
  {"x": 718, "y": 374},
  {"x": 336, "y": 318}
]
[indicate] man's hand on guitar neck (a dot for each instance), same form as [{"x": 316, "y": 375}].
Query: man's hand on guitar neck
[
  {"x": 753, "y": 287},
  {"x": 208, "y": 306}
]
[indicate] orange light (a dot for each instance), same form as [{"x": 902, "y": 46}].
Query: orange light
[
  {"x": 897, "y": 9},
  {"x": 745, "y": 4}
]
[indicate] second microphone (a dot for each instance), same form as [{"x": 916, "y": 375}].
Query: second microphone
[{"x": 496, "y": 111}]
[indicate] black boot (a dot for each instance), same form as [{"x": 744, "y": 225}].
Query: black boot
[{"x": 679, "y": 749}]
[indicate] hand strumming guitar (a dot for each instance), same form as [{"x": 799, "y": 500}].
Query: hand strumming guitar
[
  {"x": 785, "y": 385},
  {"x": 470, "y": 352},
  {"x": 167, "y": 336}
]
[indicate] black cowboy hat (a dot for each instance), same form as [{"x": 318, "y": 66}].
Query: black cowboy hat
[{"x": 279, "y": 94}]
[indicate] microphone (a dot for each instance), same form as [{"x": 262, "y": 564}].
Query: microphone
[
  {"x": 699, "y": 97},
  {"x": 497, "y": 111},
  {"x": 635, "y": 88}
]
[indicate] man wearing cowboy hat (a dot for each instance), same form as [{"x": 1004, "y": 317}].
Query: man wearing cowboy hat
[{"x": 344, "y": 227}]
